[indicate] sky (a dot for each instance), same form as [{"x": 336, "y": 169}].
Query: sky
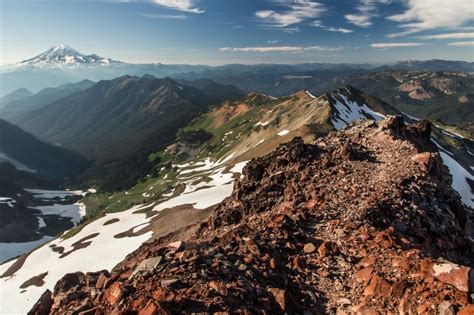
[{"x": 241, "y": 31}]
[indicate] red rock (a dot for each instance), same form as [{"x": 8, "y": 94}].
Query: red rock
[
  {"x": 460, "y": 277},
  {"x": 248, "y": 260},
  {"x": 446, "y": 308},
  {"x": 309, "y": 248},
  {"x": 327, "y": 249},
  {"x": 163, "y": 294},
  {"x": 115, "y": 293},
  {"x": 467, "y": 310},
  {"x": 422, "y": 158},
  {"x": 423, "y": 308},
  {"x": 168, "y": 283},
  {"x": 398, "y": 289},
  {"x": 178, "y": 245},
  {"x": 273, "y": 263},
  {"x": 378, "y": 287},
  {"x": 219, "y": 287},
  {"x": 364, "y": 275},
  {"x": 367, "y": 261},
  {"x": 404, "y": 307},
  {"x": 283, "y": 299},
  {"x": 298, "y": 263},
  {"x": 102, "y": 281},
  {"x": 152, "y": 308},
  {"x": 311, "y": 204},
  {"x": 426, "y": 267}
]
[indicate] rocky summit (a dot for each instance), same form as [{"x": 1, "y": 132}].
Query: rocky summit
[{"x": 362, "y": 221}]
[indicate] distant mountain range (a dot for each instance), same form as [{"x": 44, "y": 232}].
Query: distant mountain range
[
  {"x": 21, "y": 100},
  {"x": 61, "y": 64},
  {"x": 115, "y": 118}
]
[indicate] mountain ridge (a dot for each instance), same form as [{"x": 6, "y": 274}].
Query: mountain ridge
[{"x": 344, "y": 215}]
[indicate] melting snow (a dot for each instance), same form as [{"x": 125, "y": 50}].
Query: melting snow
[
  {"x": 350, "y": 111},
  {"x": 411, "y": 117},
  {"x": 69, "y": 211},
  {"x": 310, "y": 95},
  {"x": 263, "y": 124},
  {"x": 221, "y": 186},
  {"x": 460, "y": 176},
  {"x": 50, "y": 194},
  {"x": 41, "y": 222},
  {"x": 90, "y": 258},
  {"x": 93, "y": 257},
  {"x": 440, "y": 147},
  {"x": 9, "y": 201},
  {"x": 11, "y": 250}
]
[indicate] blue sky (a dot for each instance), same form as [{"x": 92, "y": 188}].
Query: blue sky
[{"x": 241, "y": 31}]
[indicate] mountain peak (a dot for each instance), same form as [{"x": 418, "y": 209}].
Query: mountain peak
[{"x": 64, "y": 56}]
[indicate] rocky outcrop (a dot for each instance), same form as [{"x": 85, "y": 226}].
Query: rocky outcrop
[{"x": 361, "y": 221}]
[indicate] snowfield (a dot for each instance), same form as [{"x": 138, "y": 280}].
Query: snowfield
[
  {"x": 72, "y": 211},
  {"x": 102, "y": 249},
  {"x": 104, "y": 252},
  {"x": 349, "y": 111},
  {"x": 460, "y": 176}
]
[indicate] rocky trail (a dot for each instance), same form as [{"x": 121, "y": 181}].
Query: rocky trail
[{"x": 362, "y": 221}]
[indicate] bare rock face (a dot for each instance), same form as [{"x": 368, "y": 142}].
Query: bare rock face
[{"x": 363, "y": 221}]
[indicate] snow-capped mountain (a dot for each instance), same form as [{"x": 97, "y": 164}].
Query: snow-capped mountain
[{"x": 64, "y": 56}]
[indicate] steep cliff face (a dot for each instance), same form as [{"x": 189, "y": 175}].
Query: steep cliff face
[{"x": 362, "y": 220}]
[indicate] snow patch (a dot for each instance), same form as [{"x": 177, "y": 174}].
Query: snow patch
[
  {"x": 87, "y": 259},
  {"x": 8, "y": 201},
  {"x": 309, "y": 94},
  {"x": 349, "y": 111},
  {"x": 263, "y": 124},
  {"x": 460, "y": 176}
]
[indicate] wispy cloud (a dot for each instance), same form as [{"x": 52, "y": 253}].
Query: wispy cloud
[
  {"x": 339, "y": 29},
  {"x": 318, "y": 23},
  {"x": 294, "y": 12},
  {"x": 422, "y": 15},
  {"x": 180, "y": 5},
  {"x": 366, "y": 11},
  {"x": 448, "y": 36},
  {"x": 279, "y": 49},
  {"x": 164, "y": 16},
  {"x": 462, "y": 44},
  {"x": 394, "y": 45}
]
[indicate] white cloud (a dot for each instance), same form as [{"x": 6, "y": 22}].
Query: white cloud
[
  {"x": 359, "y": 20},
  {"x": 180, "y": 5},
  {"x": 462, "y": 44},
  {"x": 318, "y": 23},
  {"x": 422, "y": 15},
  {"x": 279, "y": 49},
  {"x": 164, "y": 16},
  {"x": 339, "y": 29},
  {"x": 448, "y": 36},
  {"x": 366, "y": 11},
  {"x": 295, "y": 12},
  {"x": 395, "y": 45}
]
